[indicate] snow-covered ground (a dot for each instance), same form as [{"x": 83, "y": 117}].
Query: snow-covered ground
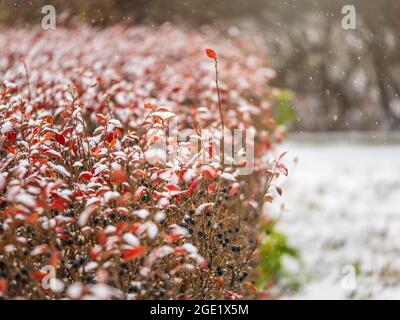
[{"x": 342, "y": 212}]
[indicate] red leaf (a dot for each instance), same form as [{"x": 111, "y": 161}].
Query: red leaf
[
  {"x": 135, "y": 228},
  {"x": 233, "y": 191},
  {"x": 55, "y": 258},
  {"x": 12, "y": 136},
  {"x": 94, "y": 252},
  {"x": 11, "y": 150},
  {"x": 172, "y": 187},
  {"x": 59, "y": 204},
  {"x": 251, "y": 286},
  {"x": 121, "y": 227},
  {"x": 211, "y": 53},
  {"x": 38, "y": 275},
  {"x": 101, "y": 238},
  {"x": 86, "y": 175},
  {"x": 3, "y": 286},
  {"x": 282, "y": 168},
  {"x": 118, "y": 176},
  {"x": 134, "y": 253},
  {"x": 60, "y": 138},
  {"x": 150, "y": 106},
  {"x": 212, "y": 188},
  {"x": 67, "y": 131},
  {"x": 100, "y": 117},
  {"x": 173, "y": 237},
  {"x": 193, "y": 187},
  {"x": 179, "y": 251},
  {"x": 110, "y": 137},
  {"x": 138, "y": 193},
  {"x": 209, "y": 174},
  {"x": 33, "y": 217}
]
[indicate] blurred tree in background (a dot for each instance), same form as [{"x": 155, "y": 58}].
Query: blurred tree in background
[{"x": 343, "y": 79}]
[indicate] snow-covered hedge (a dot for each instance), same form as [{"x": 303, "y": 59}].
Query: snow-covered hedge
[{"x": 86, "y": 211}]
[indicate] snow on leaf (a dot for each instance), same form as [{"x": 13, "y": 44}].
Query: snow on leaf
[
  {"x": 142, "y": 213},
  {"x": 84, "y": 216},
  {"x": 152, "y": 229},
  {"x": 130, "y": 239},
  {"x": 282, "y": 168},
  {"x": 86, "y": 175},
  {"x": 228, "y": 176},
  {"x": 268, "y": 197},
  {"x": 26, "y": 199},
  {"x": 52, "y": 153},
  {"x": 6, "y": 127},
  {"x": 166, "y": 115},
  {"x": 92, "y": 265},
  {"x": 57, "y": 285},
  {"x": 77, "y": 164},
  {"x": 203, "y": 208},
  {"x": 115, "y": 123},
  {"x": 160, "y": 216},
  {"x": 41, "y": 249},
  {"x": 92, "y": 201},
  {"x": 74, "y": 291},
  {"x": 111, "y": 195},
  {"x": 190, "y": 248},
  {"x": 60, "y": 169}
]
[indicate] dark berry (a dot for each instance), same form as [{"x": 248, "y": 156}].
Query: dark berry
[
  {"x": 183, "y": 224},
  {"x": 133, "y": 289},
  {"x": 89, "y": 279}
]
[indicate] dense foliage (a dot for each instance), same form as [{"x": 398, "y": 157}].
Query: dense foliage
[{"x": 82, "y": 191}]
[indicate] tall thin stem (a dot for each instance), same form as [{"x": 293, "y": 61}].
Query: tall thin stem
[{"x": 220, "y": 114}]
